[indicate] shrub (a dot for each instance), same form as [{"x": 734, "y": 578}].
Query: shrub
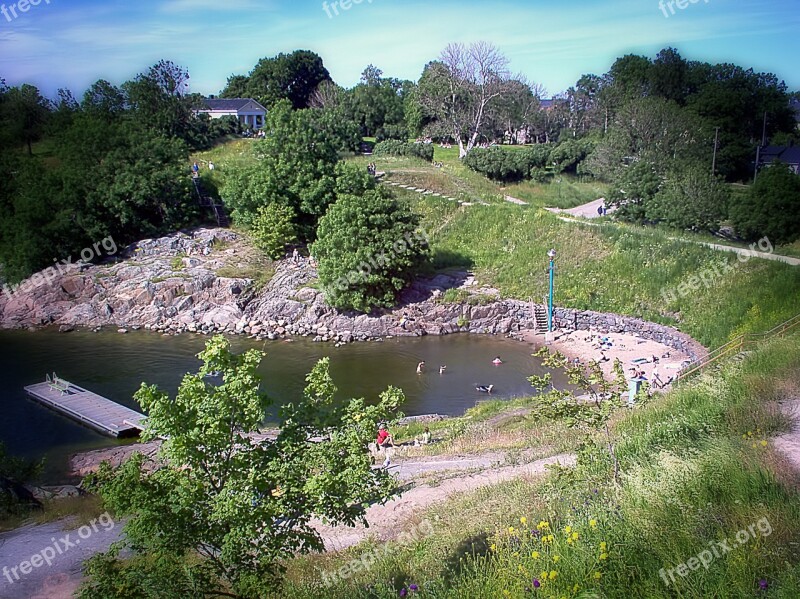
[
  {"x": 501, "y": 164},
  {"x": 273, "y": 227},
  {"x": 396, "y": 147},
  {"x": 771, "y": 208},
  {"x": 368, "y": 248}
]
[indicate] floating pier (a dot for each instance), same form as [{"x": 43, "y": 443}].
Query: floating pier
[{"x": 95, "y": 411}]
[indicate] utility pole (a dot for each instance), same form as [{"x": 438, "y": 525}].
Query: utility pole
[
  {"x": 714, "y": 160},
  {"x": 758, "y": 149}
]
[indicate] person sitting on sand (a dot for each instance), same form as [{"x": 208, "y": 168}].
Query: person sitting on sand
[
  {"x": 420, "y": 366},
  {"x": 497, "y": 360},
  {"x": 484, "y": 388},
  {"x": 384, "y": 438}
]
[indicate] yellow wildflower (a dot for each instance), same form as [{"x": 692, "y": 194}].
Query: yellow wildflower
[
  {"x": 543, "y": 575},
  {"x": 576, "y": 588},
  {"x": 749, "y": 433},
  {"x": 763, "y": 444},
  {"x": 568, "y": 529},
  {"x": 523, "y": 520},
  {"x": 754, "y": 445},
  {"x": 597, "y": 576},
  {"x": 511, "y": 530},
  {"x": 542, "y": 525},
  {"x": 603, "y": 546},
  {"x": 493, "y": 547},
  {"x": 575, "y": 535},
  {"x": 603, "y": 556},
  {"x": 556, "y": 558},
  {"x": 535, "y": 555},
  {"x": 593, "y": 523},
  {"x": 553, "y": 574}
]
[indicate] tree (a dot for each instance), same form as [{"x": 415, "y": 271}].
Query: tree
[
  {"x": 633, "y": 190},
  {"x": 25, "y": 115},
  {"x": 104, "y": 99},
  {"x": 295, "y": 168},
  {"x": 292, "y": 77},
  {"x": 368, "y": 249},
  {"x": 590, "y": 409},
  {"x": 771, "y": 208},
  {"x": 221, "y": 505},
  {"x": 690, "y": 198},
  {"x": 459, "y": 90}
]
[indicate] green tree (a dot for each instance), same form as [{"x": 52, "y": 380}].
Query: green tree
[
  {"x": 634, "y": 189},
  {"x": 368, "y": 249},
  {"x": 588, "y": 406},
  {"x": 273, "y": 228},
  {"x": 25, "y": 114},
  {"x": 293, "y": 77},
  {"x": 296, "y": 167},
  {"x": 771, "y": 208},
  {"x": 690, "y": 198},
  {"x": 221, "y": 505}
]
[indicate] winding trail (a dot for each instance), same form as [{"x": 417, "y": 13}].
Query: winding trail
[{"x": 589, "y": 211}]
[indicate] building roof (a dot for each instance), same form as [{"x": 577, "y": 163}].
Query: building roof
[
  {"x": 232, "y": 104},
  {"x": 786, "y": 154}
]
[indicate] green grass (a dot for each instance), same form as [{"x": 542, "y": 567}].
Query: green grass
[{"x": 694, "y": 472}]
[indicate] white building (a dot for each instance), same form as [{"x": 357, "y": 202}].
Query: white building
[{"x": 249, "y": 112}]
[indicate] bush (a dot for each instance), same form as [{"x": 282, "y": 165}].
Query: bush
[
  {"x": 771, "y": 208},
  {"x": 395, "y": 147},
  {"x": 273, "y": 227},
  {"x": 501, "y": 164},
  {"x": 690, "y": 198},
  {"x": 399, "y": 132},
  {"x": 368, "y": 249}
]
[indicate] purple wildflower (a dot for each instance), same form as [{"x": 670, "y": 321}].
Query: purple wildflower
[
  {"x": 536, "y": 583},
  {"x": 413, "y": 587},
  {"x": 762, "y": 584},
  {"x": 403, "y": 592}
]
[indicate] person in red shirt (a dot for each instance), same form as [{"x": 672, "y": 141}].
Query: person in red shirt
[{"x": 384, "y": 438}]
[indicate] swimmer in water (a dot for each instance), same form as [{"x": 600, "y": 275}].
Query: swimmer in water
[
  {"x": 420, "y": 366},
  {"x": 484, "y": 388},
  {"x": 497, "y": 360},
  {"x": 442, "y": 369}
]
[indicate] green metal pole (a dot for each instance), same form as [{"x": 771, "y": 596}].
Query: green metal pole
[{"x": 550, "y": 306}]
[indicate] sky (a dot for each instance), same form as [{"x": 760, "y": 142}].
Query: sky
[{"x": 73, "y": 43}]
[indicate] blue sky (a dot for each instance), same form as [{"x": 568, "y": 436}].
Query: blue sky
[{"x": 72, "y": 43}]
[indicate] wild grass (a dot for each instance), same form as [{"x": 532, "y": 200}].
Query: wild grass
[{"x": 696, "y": 473}]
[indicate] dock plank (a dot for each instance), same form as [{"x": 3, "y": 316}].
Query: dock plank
[{"x": 98, "y": 412}]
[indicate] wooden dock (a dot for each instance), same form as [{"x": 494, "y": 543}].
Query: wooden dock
[{"x": 93, "y": 410}]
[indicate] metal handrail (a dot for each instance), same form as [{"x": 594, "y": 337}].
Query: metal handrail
[{"x": 737, "y": 344}]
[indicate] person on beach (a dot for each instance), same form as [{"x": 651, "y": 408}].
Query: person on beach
[{"x": 424, "y": 439}]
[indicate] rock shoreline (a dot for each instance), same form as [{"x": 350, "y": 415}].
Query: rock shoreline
[{"x": 175, "y": 284}]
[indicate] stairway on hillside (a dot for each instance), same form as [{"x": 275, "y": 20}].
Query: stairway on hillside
[
  {"x": 539, "y": 318},
  {"x": 206, "y": 201}
]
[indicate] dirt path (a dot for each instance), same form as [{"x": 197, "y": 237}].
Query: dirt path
[
  {"x": 789, "y": 443},
  {"x": 61, "y": 578},
  {"x": 387, "y": 521},
  {"x": 589, "y": 211}
]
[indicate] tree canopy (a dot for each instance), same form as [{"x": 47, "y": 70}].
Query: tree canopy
[{"x": 220, "y": 505}]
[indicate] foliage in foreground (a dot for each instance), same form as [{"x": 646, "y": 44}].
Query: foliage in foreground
[
  {"x": 697, "y": 470},
  {"x": 218, "y": 507}
]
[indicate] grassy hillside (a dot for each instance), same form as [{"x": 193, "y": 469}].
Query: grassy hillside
[
  {"x": 701, "y": 486},
  {"x": 611, "y": 268}
]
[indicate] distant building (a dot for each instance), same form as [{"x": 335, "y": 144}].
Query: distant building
[
  {"x": 788, "y": 155},
  {"x": 249, "y": 112},
  {"x": 547, "y": 104}
]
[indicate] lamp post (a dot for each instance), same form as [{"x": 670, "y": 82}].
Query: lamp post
[{"x": 552, "y": 255}]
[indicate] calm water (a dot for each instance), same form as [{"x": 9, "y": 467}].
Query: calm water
[{"x": 115, "y": 365}]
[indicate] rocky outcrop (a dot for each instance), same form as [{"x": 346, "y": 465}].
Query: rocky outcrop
[{"x": 171, "y": 285}]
